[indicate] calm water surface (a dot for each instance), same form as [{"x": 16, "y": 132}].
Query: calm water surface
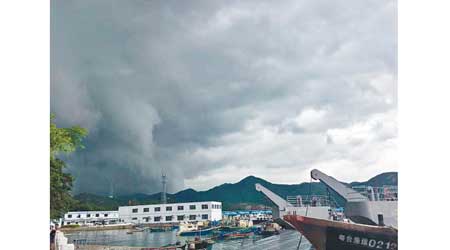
[{"x": 287, "y": 240}]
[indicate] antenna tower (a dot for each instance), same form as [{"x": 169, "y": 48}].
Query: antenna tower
[{"x": 164, "y": 190}]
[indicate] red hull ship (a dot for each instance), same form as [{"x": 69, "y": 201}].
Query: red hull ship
[{"x": 336, "y": 235}]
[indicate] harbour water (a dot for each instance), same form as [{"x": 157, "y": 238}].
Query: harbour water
[{"x": 286, "y": 240}]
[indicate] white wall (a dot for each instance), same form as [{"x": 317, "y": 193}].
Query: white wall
[
  {"x": 213, "y": 212},
  {"x": 106, "y": 216}
]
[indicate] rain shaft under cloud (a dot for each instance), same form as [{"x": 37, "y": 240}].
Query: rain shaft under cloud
[{"x": 212, "y": 91}]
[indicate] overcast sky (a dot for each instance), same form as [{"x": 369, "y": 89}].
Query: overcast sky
[{"x": 212, "y": 91}]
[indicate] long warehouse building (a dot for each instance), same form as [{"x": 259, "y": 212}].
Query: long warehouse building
[{"x": 171, "y": 213}]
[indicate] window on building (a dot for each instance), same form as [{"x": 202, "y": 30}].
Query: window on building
[
  {"x": 106, "y": 215},
  {"x": 135, "y": 210},
  {"x": 146, "y": 209},
  {"x": 97, "y": 215},
  {"x": 192, "y": 207},
  {"x": 180, "y": 208},
  {"x": 134, "y": 218},
  {"x": 157, "y": 218},
  {"x": 88, "y": 215},
  {"x": 169, "y": 218},
  {"x": 69, "y": 216},
  {"x": 157, "y": 209},
  {"x": 192, "y": 217},
  {"x": 168, "y": 208},
  {"x": 204, "y": 216},
  {"x": 180, "y": 217},
  {"x": 205, "y": 206},
  {"x": 79, "y": 216}
]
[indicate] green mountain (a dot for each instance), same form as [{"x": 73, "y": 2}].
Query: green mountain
[
  {"x": 388, "y": 178},
  {"x": 232, "y": 195}
]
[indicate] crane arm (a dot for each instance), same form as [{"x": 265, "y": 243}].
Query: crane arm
[
  {"x": 345, "y": 192},
  {"x": 277, "y": 200}
]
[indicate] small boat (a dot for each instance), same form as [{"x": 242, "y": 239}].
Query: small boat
[
  {"x": 200, "y": 244},
  {"x": 135, "y": 230},
  {"x": 229, "y": 229},
  {"x": 164, "y": 248},
  {"x": 177, "y": 245},
  {"x": 234, "y": 236},
  {"x": 268, "y": 233},
  {"x": 160, "y": 229},
  {"x": 268, "y": 229},
  {"x": 198, "y": 232}
]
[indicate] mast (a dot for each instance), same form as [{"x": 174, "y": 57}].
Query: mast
[{"x": 164, "y": 190}]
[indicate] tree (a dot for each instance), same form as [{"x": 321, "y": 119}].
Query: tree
[{"x": 62, "y": 140}]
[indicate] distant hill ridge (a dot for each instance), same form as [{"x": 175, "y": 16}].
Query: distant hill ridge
[{"x": 233, "y": 195}]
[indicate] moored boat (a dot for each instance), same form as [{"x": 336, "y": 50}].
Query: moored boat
[
  {"x": 199, "y": 244},
  {"x": 269, "y": 229},
  {"x": 177, "y": 246},
  {"x": 236, "y": 236},
  {"x": 371, "y": 220},
  {"x": 230, "y": 229},
  {"x": 135, "y": 230},
  {"x": 337, "y": 235},
  {"x": 198, "y": 232},
  {"x": 160, "y": 229},
  {"x": 233, "y": 235},
  {"x": 162, "y": 248}
]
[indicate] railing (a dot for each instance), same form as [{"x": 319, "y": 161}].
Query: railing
[
  {"x": 384, "y": 193},
  {"x": 311, "y": 200}
]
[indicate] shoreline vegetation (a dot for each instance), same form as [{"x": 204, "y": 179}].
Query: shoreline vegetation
[{"x": 62, "y": 141}]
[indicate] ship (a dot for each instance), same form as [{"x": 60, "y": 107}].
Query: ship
[{"x": 371, "y": 220}]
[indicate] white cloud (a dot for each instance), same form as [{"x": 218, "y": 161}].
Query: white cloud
[
  {"x": 358, "y": 152},
  {"x": 311, "y": 119}
]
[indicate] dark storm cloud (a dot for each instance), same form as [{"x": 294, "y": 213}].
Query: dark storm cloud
[{"x": 176, "y": 85}]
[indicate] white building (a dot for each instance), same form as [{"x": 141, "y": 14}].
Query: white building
[
  {"x": 172, "y": 213},
  {"x": 91, "y": 218}
]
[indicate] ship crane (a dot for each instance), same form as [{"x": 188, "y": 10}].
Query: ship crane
[
  {"x": 285, "y": 208},
  {"x": 345, "y": 192},
  {"x": 277, "y": 200},
  {"x": 359, "y": 208}
]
